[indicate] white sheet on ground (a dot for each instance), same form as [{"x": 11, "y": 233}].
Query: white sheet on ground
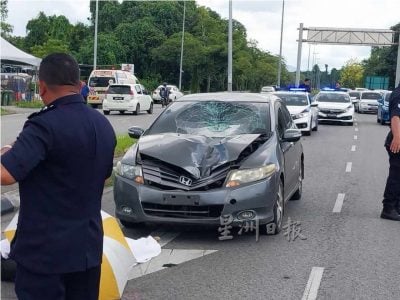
[
  {"x": 144, "y": 249},
  {"x": 5, "y": 248}
]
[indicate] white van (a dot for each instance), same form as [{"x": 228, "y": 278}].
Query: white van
[{"x": 99, "y": 80}]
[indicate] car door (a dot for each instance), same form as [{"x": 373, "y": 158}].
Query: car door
[
  {"x": 290, "y": 149},
  {"x": 146, "y": 97},
  {"x": 141, "y": 98}
]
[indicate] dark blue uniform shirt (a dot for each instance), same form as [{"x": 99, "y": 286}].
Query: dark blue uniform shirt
[
  {"x": 61, "y": 160},
  {"x": 394, "y": 110}
]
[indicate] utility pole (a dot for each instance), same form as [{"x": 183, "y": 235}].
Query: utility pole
[
  {"x": 280, "y": 47},
  {"x": 95, "y": 35},
  {"x": 230, "y": 48},
  {"x": 297, "y": 82},
  {"x": 183, "y": 37}
]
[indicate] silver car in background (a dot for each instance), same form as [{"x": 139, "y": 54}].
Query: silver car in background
[{"x": 369, "y": 102}]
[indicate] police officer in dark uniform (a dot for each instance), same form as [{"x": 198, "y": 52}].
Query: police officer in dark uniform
[
  {"x": 61, "y": 160},
  {"x": 391, "y": 201}
]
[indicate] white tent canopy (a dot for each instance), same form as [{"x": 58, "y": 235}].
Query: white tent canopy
[{"x": 12, "y": 55}]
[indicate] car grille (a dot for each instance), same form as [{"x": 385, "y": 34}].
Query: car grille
[
  {"x": 183, "y": 211},
  {"x": 167, "y": 177},
  {"x": 332, "y": 111}
]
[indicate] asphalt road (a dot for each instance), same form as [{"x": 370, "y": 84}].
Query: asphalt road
[{"x": 348, "y": 253}]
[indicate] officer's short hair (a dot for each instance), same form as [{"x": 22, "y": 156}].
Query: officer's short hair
[{"x": 59, "y": 69}]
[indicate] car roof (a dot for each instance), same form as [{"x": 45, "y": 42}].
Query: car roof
[
  {"x": 334, "y": 92},
  {"x": 228, "y": 96},
  {"x": 291, "y": 92}
]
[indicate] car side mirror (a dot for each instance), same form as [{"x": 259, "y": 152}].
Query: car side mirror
[
  {"x": 314, "y": 104},
  {"x": 380, "y": 101},
  {"x": 291, "y": 135},
  {"x": 135, "y": 132}
]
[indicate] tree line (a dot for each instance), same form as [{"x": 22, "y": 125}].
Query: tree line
[{"x": 148, "y": 34}]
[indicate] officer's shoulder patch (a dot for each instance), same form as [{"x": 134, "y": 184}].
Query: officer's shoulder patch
[{"x": 42, "y": 111}]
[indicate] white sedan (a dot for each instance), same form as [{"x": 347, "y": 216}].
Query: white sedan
[
  {"x": 304, "y": 112},
  {"x": 174, "y": 93},
  {"x": 127, "y": 98},
  {"x": 335, "y": 107}
]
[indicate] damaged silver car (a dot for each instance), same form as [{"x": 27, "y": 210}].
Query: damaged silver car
[{"x": 212, "y": 155}]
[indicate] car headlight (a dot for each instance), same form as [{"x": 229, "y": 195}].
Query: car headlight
[
  {"x": 303, "y": 114},
  {"x": 130, "y": 172},
  {"x": 348, "y": 108},
  {"x": 239, "y": 177}
]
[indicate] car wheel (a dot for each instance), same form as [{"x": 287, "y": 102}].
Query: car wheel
[
  {"x": 276, "y": 225},
  {"x": 137, "y": 111},
  {"x": 94, "y": 105},
  {"x": 350, "y": 123},
  {"x": 299, "y": 192},
  {"x": 150, "y": 110},
  {"x": 383, "y": 121},
  {"x": 106, "y": 112},
  {"x": 307, "y": 133},
  {"x": 121, "y": 112},
  {"x": 377, "y": 119},
  {"x": 316, "y": 125}
]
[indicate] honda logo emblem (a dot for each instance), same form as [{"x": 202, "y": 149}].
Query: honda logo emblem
[{"x": 185, "y": 181}]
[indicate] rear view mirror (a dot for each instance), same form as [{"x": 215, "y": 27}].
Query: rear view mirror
[
  {"x": 291, "y": 135},
  {"x": 135, "y": 132}
]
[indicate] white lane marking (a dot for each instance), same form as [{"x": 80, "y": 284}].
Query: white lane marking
[
  {"x": 339, "y": 203},
  {"x": 353, "y": 148},
  {"x": 355, "y": 137},
  {"x": 356, "y": 123},
  {"x": 356, "y": 129},
  {"x": 311, "y": 291},
  {"x": 348, "y": 167}
]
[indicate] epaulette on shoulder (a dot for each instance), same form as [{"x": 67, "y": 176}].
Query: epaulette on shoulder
[{"x": 42, "y": 111}]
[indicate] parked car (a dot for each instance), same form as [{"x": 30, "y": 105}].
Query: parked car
[
  {"x": 369, "y": 101},
  {"x": 355, "y": 97},
  {"x": 127, "y": 98},
  {"x": 304, "y": 112},
  {"x": 212, "y": 155},
  {"x": 335, "y": 107},
  {"x": 267, "y": 89},
  {"x": 174, "y": 93},
  {"x": 383, "y": 109}
]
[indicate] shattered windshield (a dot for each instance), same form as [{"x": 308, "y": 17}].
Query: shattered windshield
[{"x": 213, "y": 119}]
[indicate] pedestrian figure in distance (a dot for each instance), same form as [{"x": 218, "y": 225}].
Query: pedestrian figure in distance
[
  {"x": 84, "y": 90},
  {"x": 61, "y": 160},
  {"x": 306, "y": 85},
  {"x": 164, "y": 94},
  {"x": 391, "y": 201}
]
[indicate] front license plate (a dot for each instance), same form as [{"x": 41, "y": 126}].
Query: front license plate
[
  {"x": 332, "y": 116},
  {"x": 181, "y": 199},
  {"x": 118, "y": 98}
]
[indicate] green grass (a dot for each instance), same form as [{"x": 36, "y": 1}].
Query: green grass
[
  {"x": 6, "y": 112},
  {"x": 123, "y": 144},
  {"x": 29, "y": 104}
]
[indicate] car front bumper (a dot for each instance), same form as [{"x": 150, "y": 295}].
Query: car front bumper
[
  {"x": 368, "y": 108},
  {"x": 346, "y": 117},
  {"x": 304, "y": 124},
  {"x": 142, "y": 203}
]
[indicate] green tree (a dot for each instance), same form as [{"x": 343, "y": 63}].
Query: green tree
[
  {"x": 6, "y": 29},
  {"x": 352, "y": 74},
  {"x": 50, "y": 46}
]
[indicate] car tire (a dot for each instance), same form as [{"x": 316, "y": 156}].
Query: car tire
[
  {"x": 94, "y": 105},
  {"x": 150, "y": 110},
  {"x": 121, "y": 112},
  {"x": 137, "y": 111},
  {"x": 350, "y": 123},
  {"x": 307, "y": 133},
  {"x": 377, "y": 119},
  {"x": 299, "y": 192},
  {"x": 382, "y": 121},
  {"x": 106, "y": 112},
  {"x": 275, "y": 226}
]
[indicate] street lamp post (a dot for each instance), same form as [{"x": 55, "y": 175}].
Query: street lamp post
[
  {"x": 280, "y": 47},
  {"x": 183, "y": 37},
  {"x": 230, "y": 48},
  {"x": 95, "y": 36}
]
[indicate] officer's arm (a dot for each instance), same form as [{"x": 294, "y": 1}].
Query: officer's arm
[
  {"x": 6, "y": 177},
  {"x": 395, "y": 125}
]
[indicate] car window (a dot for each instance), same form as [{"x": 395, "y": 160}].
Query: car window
[
  {"x": 281, "y": 123},
  {"x": 213, "y": 118},
  {"x": 333, "y": 97},
  {"x": 354, "y": 94},
  {"x": 294, "y": 99},
  {"x": 119, "y": 89},
  {"x": 371, "y": 96},
  {"x": 100, "y": 81},
  {"x": 138, "y": 90},
  {"x": 387, "y": 97}
]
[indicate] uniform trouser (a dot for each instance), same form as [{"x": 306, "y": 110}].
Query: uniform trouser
[
  {"x": 391, "y": 196},
  {"x": 69, "y": 286}
]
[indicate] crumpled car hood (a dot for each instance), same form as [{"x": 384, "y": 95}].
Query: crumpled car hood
[{"x": 198, "y": 155}]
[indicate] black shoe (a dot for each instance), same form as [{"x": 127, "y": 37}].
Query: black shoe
[{"x": 390, "y": 214}]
